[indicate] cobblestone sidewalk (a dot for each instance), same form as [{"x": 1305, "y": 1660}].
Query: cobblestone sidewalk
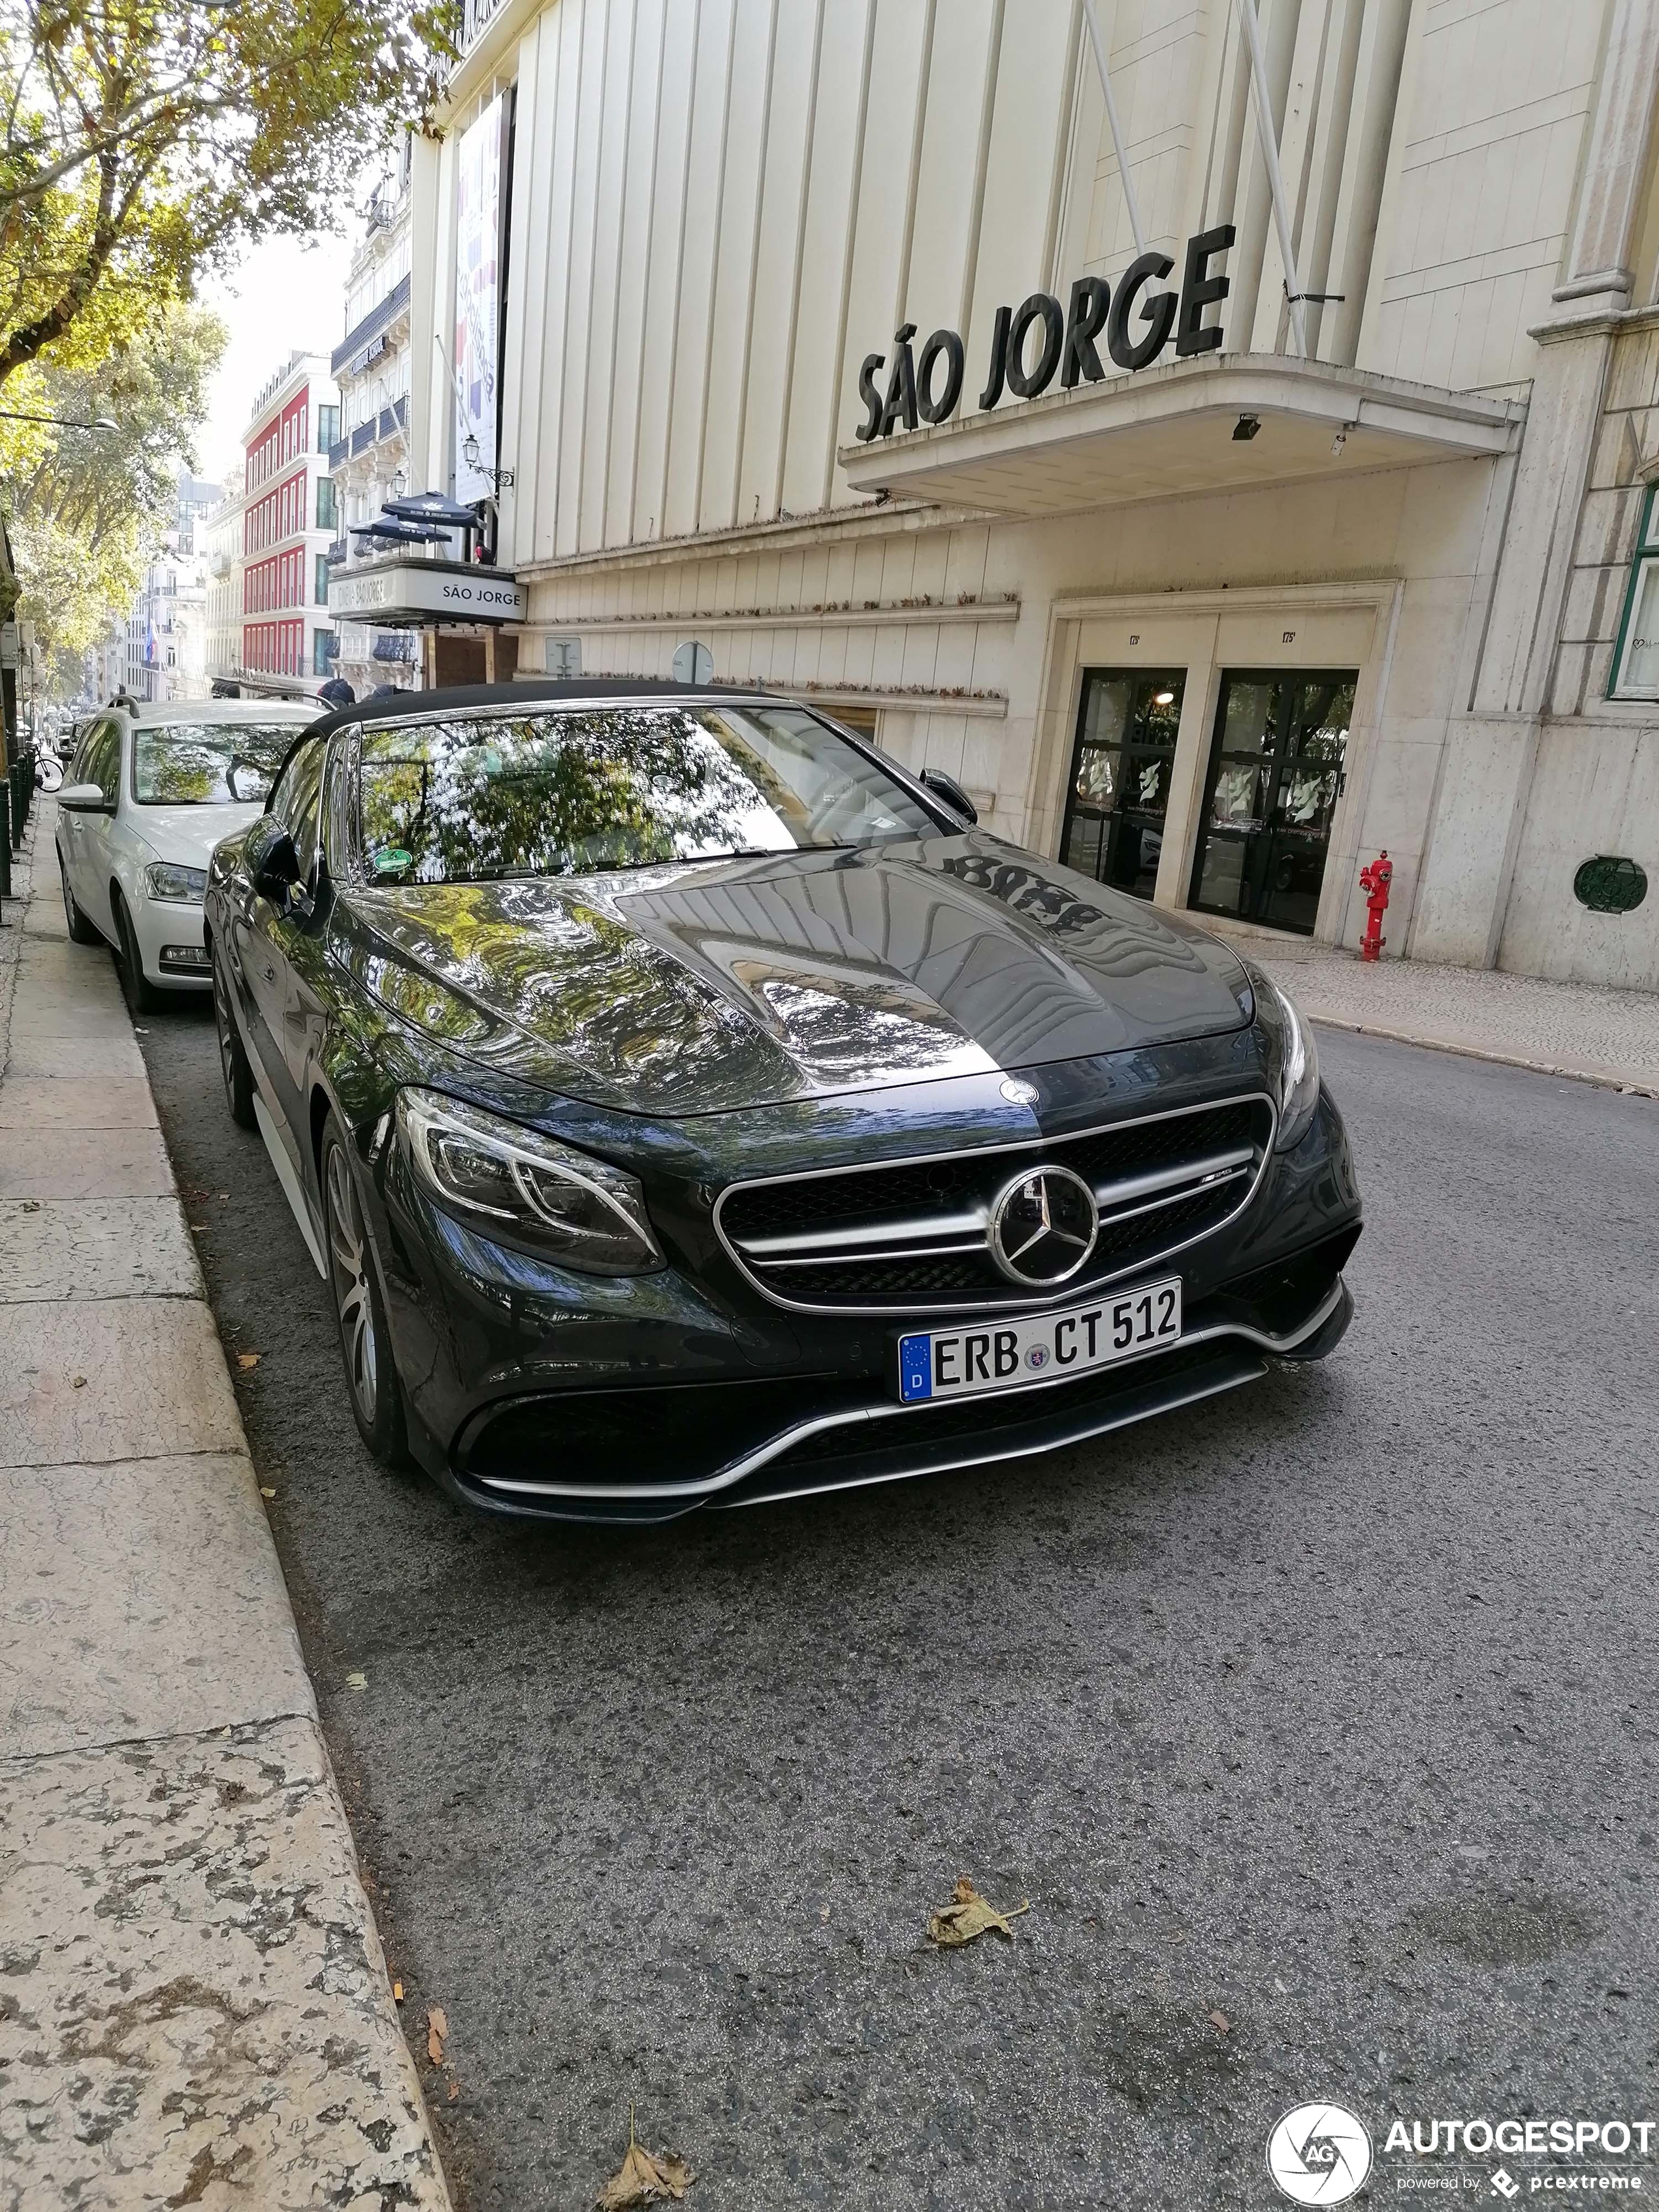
[{"x": 1562, "y": 1028}]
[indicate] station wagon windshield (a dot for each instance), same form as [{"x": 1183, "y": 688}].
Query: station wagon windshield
[
  {"x": 475, "y": 798},
  {"x": 208, "y": 763}
]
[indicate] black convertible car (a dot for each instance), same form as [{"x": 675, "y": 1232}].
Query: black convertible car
[{"x": 689, "y": 1106}]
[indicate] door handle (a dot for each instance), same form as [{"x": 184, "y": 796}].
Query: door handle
[{"x": 270, "y": 972}]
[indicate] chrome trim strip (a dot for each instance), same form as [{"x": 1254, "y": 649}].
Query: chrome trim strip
[
  {"x": 904, "y": 1252},
  {"x": 849, "y": 1240},
  {"x": 885, "y": 1409},
  {"x": 974, "y": 1458},
  {"x": 1167, "y": 1186},
  {"x": 1196, "y": 1172},
  {"x": 914, "y": 1308}
]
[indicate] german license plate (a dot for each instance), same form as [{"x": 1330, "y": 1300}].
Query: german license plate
[{"x": 1012, "y": 1355}]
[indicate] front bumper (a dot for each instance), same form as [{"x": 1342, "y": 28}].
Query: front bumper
[
  {"x": 538, "y": 1394},
  {"x": 165, "y": 929}
]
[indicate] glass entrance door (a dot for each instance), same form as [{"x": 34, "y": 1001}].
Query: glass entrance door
[
  {"x": 1276, "y": 769},
  {"x": 1121, "y": 768}
]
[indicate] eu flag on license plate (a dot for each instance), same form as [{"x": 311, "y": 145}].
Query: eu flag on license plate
[{"x": 915, "y": 1367}]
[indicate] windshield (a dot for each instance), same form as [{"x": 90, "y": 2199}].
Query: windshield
[
  {"x": 478, "y": 798},
  {"x": 209, "y": 763}
]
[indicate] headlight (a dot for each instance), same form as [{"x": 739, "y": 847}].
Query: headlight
[
  {"x": 163, "y": 880},
  {"x": 582, "y": 1211},
  {"x": 1293, "y": 1057}
]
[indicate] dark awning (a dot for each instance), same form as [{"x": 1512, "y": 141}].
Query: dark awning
[
  {"x": 433, "y": 507},
  {"x": 398, "y": 534}
]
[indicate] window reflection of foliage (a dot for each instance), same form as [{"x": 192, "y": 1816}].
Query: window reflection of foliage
[
  {"x": 578, "y": 793},
  {"x": 186, "y": 765}
]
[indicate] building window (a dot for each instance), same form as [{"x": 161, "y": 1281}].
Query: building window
[
  {"x": 325, "y": 644},
  {"x": 1636, "y": 656},
  {"x": 328, "y": 427},
  {"x": 322, "y": 579},
  {"x": 326, "y": 509}
]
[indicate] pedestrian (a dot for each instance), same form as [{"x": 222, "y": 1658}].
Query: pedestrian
[{"x": 337, "y": 692}]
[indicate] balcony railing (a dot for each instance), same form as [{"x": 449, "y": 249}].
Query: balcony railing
[
  {"x": 338, "y": 451},
  {"x": 356, "y": 341}
]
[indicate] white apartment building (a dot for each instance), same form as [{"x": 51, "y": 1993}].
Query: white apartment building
[
  {"x": 1264, "y": 548},
  {"x": 222, "y": 528},
  {"x": 288, "y": 643},
  {"x": 166, "y": 627},
  {"x": 370, "y": 461}
]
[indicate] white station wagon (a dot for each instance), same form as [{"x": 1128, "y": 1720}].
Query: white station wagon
[{"x": 151, "y": 791}]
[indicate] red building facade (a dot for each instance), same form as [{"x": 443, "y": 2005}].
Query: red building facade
[{"x": 288, "y": 523}]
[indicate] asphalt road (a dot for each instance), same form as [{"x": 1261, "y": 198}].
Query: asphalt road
[{"x": 1327, "y": 1712}]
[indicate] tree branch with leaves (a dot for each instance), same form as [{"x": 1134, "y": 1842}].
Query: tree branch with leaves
[{"x": 146, "y": 141}]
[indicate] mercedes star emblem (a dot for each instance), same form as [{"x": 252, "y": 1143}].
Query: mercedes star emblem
[{"x": 1042, "y": 1227}]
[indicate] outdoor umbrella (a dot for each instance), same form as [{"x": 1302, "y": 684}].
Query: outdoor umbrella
[{"x": 433, "y": 507}]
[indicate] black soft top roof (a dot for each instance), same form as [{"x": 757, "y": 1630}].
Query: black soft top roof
[{"x": 408, "y": 706}]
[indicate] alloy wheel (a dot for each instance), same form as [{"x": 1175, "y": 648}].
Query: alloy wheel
[
  {"x": 349, "y": 1266},
  {"x": 226, "y": 1042}
]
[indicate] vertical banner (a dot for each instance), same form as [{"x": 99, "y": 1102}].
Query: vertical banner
[{"x": 477, "y": 299}]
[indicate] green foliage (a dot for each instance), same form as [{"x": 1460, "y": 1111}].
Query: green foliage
[
  {"x": 145, "y": 141},
  {"x": 86, "y": 509}
]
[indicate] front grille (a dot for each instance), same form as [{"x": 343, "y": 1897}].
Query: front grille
[{"x": 913, "y": 1236}]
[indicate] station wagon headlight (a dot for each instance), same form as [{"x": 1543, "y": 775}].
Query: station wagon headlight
[
  {"x": 165, "y": 880},
  {"x": 583, "y": 1212},
  {"x": 1294, "y": 1059}
]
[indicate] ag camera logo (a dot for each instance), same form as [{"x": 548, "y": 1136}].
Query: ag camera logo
[{"x": 1319, "y": 2155}]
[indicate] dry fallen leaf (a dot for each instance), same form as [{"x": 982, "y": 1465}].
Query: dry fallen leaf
[
  {"x": 437, "y": 2027},
  {"x": 356, "y": 1681},
  {"x": 969, "y": 1914},
  {"x": 246, "y": 1359},
  {"x": 1221, "y": 2022},
  {"x": 454, "y": 2093},
  {"x": 78, "y": 1381},
  {"x": 264, "y": 1492},
  {"x": 31, "y": 1206},
  {"x": 644, "y": 2178}
]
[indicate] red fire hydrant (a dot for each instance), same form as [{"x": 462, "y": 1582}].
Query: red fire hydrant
[{"x": 1374, "y": 881}]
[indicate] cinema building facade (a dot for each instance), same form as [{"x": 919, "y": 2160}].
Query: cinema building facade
[{"x": 1218, "y": 515}]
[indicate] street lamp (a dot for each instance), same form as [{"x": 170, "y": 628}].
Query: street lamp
[
  {"x": 471, "y": 453},
  {"x": 61, "y": 422}
]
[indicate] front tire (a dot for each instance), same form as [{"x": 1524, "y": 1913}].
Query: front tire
[
  {"x": 141, "y": 994},
  {"x": 81, "y": 932},
  {"x": 234, "y": 1063},
  {"x": 372, "y": 1384}
]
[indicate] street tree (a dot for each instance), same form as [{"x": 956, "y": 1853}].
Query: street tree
[
  {"x": 86, "y": 509},
  {"x": 145, "y": 141}
]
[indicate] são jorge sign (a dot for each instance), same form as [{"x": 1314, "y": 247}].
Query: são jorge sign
[{"x": 926, "y": 387}]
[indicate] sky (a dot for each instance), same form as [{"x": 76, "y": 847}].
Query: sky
[{"x": 288, "y": 294}]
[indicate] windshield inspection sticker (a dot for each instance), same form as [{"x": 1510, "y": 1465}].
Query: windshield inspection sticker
[
  {"x": 392, "y": 860},
  {"x": 1323, "y": 2154}
]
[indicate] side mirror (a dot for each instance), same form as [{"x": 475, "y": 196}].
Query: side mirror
[
  {"x": 85, "y": 799},
  {"x": 947, "y": 788},
  {"x": 273, "y": 865}
]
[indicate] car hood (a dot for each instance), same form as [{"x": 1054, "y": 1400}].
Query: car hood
[
  {"x": 691, "y": 989},
  {"x": 187, "y": 835}
]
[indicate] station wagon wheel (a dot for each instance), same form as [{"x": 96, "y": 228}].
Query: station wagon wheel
[
  {"x": 81, "y": 932},
  {"x": 377, "y": 1403}
]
